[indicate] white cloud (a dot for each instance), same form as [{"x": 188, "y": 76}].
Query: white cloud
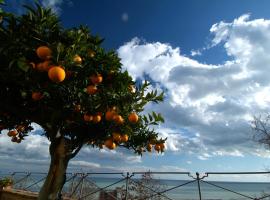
[
  {"x": 195, "y": 53},
  {"x": 207, "y": 107},
  {"x": 55, "y": 4},
  {"x": 215, "y": 101},
  {"x": 81, "y": 163}
]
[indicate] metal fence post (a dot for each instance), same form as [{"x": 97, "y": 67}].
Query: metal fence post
[
  {"x": 199, "y": 187},
  {"x": 127, "y": 182},
  {"x": 82, "y": 185}
]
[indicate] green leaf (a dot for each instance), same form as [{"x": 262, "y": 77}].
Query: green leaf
[
  {"x": 23, "y": 65},
  {"x": 150, "y": 117}
]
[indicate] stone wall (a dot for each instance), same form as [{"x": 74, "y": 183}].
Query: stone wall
[{"x": 11, "y": 194}]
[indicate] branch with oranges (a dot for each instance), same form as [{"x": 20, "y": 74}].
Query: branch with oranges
[{"x": 63, "y": 80}]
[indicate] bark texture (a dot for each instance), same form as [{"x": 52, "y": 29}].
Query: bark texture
[{"x": 52, "y": 187}]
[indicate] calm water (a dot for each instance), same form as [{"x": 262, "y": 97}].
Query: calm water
[
  {"x": 190, "y": 191},
  {"x": 187, "y": 192}
]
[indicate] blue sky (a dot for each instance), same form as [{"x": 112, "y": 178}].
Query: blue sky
[{"x": 212, "y": 58}]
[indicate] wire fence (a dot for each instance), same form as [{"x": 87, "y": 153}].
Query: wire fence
[{"x": 149, "y": 185}]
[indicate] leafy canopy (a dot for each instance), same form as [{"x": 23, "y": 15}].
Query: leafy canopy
[{"x": 93, "y": 85}]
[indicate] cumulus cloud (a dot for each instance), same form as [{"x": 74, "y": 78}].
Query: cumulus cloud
[
  {"x": 33, "y": 154},
  {"x": 215, "y": 101},
  {"x": 207, "y": 107}
]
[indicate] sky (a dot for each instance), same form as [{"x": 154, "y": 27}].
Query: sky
[{"x": 212, "y": 60}]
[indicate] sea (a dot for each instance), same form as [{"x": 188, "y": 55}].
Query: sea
[
  {"x": 209, "y": 190},
  {"x": 235, "y": 190}
]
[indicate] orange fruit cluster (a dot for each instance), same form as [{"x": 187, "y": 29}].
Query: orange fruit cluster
[
  {"x": 117, "y": 138},
  {"x": 95, "y": 80},
  {"x": 55, "y": 73},
  {"x": 92, "y": 118},
  {"x": 14, "y": 134}
]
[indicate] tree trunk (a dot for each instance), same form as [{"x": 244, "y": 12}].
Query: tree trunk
[{"x": 52, "y": 187}]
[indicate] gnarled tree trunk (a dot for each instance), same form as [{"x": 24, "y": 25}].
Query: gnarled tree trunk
[{"x": 61, "y": 153}]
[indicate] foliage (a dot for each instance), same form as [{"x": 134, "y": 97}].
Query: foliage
[
  {"x": 261, "y": 126},
  {"x": 6, "y": 181},
  {"x": 29, "y": 94},
  {"x": 147, "y": 187}
]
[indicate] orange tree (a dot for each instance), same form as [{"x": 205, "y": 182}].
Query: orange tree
[{"x": 63, "y": 80}]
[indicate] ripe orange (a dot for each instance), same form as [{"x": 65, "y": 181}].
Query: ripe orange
[
  {"x": 124, "y": 138},
  {"x": 97, "y": 118},
  {"x": 14, "y": 139},
  {"x": 44, "y": 52},
  {"x": 149, "y": 147},
  {"x": 162, "y": 146},
  {"x": 96, "y": 79},
  {"x": 57, "y": 74},
  {"x": 157, "y": 147},
  {"x": 87, "y": 117},
  {"x": 116, "y": 137},
  {"x": 12, "y": 133},
  {"x": 110, "y": 144},
  {"x": 118, "y": 119},
  {"x": 91, "y": 89},
  {"x": 77, "y": 60},
  {"x": 133, "y": 117},
  {"x": 36, "y": 96},
  {"x": 109, "y": 115},
  {"x": 44, "y": 66}
]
